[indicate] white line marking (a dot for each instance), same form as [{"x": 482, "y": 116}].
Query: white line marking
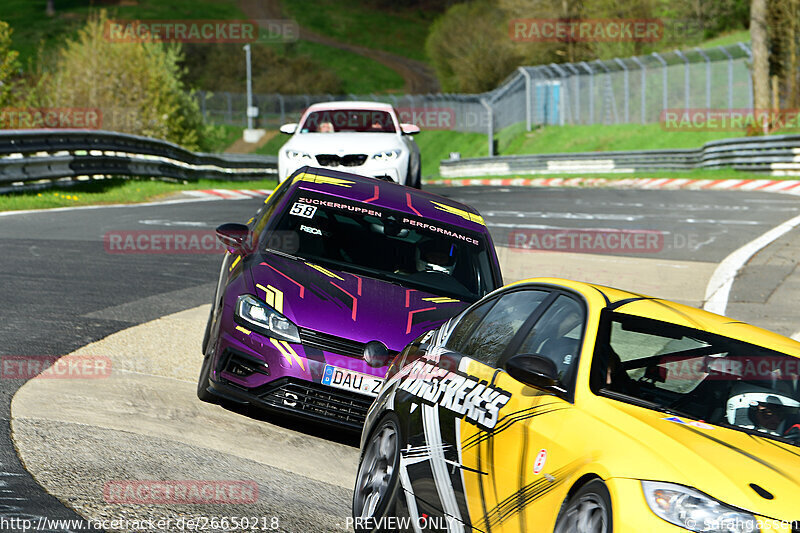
[{"x": 719, "y": 286}]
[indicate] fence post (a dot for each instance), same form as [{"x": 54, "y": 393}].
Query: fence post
[
  {"x": 643, "y": 70},
  {"x": 230, "y": 107},
  {"x": 562, "y": 99},
  {"x": 576, "y": 88},
  {"x": 608, "y": 94},
  {"x": 627, "y": 88},
  {"x": 730, "y": 75},
  {"x": 708, "y": 76},
  {"x": 585, "y": 65},
  {"x": 686, "y": 104},
  {"x": 283, "y": 109},
  {"x": 527, "y": 97},
  {"x": 750, "y": 57},
  {"x": 490, "y": 125},
  {"x": 664, "y": 103}
]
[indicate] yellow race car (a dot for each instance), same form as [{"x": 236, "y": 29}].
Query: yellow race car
[{"x": 554, "y": 405}]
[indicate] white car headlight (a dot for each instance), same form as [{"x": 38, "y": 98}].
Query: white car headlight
[
  {"x": 255, "y": 314},
  {"x": 296, "y": 155},
  {"x": 691, "y": 509},
  {"x": 386, "y": 156}
]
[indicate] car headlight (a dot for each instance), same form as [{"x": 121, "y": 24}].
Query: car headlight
[
  {"x": 385, "y": 157},
  {"x": 296, "y": 155},
  {"x": 691, "y": 509},
  {"x": 255, "y": 314}
]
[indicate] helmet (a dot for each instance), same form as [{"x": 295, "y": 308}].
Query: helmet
[
  {"x": 742, "y": 407},
  {"x": 436, "y": 256}
]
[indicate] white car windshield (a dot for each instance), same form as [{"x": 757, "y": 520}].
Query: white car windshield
[{"x": 358, "y": 120}]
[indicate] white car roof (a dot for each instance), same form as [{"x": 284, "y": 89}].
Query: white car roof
[{"x": 327, "y": 106}]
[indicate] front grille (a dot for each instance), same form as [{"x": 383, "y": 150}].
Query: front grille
[
  {"x": 331, "y": 343},
  {"x": 333, "y": 160},
  {"x": 319, "y": 401}
]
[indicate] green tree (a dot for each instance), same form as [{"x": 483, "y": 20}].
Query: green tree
[
  {"x": 470, "y": 47},
  {"x": 137, "y": 86},
  {"x": 9, "y": 67}
]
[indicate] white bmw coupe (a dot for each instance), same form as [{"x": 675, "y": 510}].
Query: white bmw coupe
[{"x": 360, "y": 137}]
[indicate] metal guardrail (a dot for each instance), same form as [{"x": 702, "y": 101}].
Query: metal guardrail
[
  {"x": 43, "y": 158},
  {"x": 778, "y": 155}
]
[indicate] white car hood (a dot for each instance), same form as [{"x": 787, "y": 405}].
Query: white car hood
[{"x": 344, "y": 143}]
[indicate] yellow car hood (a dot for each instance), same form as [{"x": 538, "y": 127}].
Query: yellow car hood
[{"x": 644, "y": 444}]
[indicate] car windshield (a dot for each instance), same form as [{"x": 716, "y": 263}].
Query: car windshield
[
  {"x": 337, "y": 120},
  {"x": 389, "y": 245},
  {"x": 691, "y": 373}
]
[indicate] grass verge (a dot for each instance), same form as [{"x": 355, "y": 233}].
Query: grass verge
[{"x": 116, "y": 191}]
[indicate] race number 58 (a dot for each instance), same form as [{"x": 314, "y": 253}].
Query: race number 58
[{"x": 303, "y": 210}]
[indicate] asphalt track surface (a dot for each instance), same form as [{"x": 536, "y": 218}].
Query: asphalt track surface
[{"x": 61, "y": 290}]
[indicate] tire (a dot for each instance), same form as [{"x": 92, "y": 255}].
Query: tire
[
  {"x": 378, "y": 481},
  {"x": 202, "y": 382},
  {"x": 587, "y": 511}
]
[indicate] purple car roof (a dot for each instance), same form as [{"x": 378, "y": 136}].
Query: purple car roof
[{"x": 388, "y": 195}]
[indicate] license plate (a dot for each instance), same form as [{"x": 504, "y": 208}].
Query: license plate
[{"x": 352, "y": 381}]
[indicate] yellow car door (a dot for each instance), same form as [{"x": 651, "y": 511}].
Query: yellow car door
[{"x": 515, "y": 473}]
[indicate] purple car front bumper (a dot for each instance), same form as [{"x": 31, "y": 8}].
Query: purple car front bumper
[{"x": 323, "y": 378}]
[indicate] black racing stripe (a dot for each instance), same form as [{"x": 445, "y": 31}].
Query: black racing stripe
[
  {"x": 456, "y": 481},
  {"x": 698, "y": 325},
  {"x": 487, "y": 525},
  {"x": 522, "y": 471},
  {"x": 494, "y": 377},
  {"x": 480, "y": 437},
  {"x": 530, "y": 493},
  {"x": 507, "y": 424},
  {"x": 738, "y": 450},
  {"x": 490, "y": 453},
  {"x": 774, "y": 443},
  {"x": 619, "y": 303},
  {"x": 605, "y": 297}
]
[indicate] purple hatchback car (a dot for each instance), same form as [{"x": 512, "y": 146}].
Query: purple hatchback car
[{"x": 334, "y": 275}]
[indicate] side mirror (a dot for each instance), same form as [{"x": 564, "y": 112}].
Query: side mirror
[
  {"x": 409, "y": 129},
  {"x": 289, "y": 129},
  {"x": 233, "y": 236},
  {"x": 534, "y": 370}
]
